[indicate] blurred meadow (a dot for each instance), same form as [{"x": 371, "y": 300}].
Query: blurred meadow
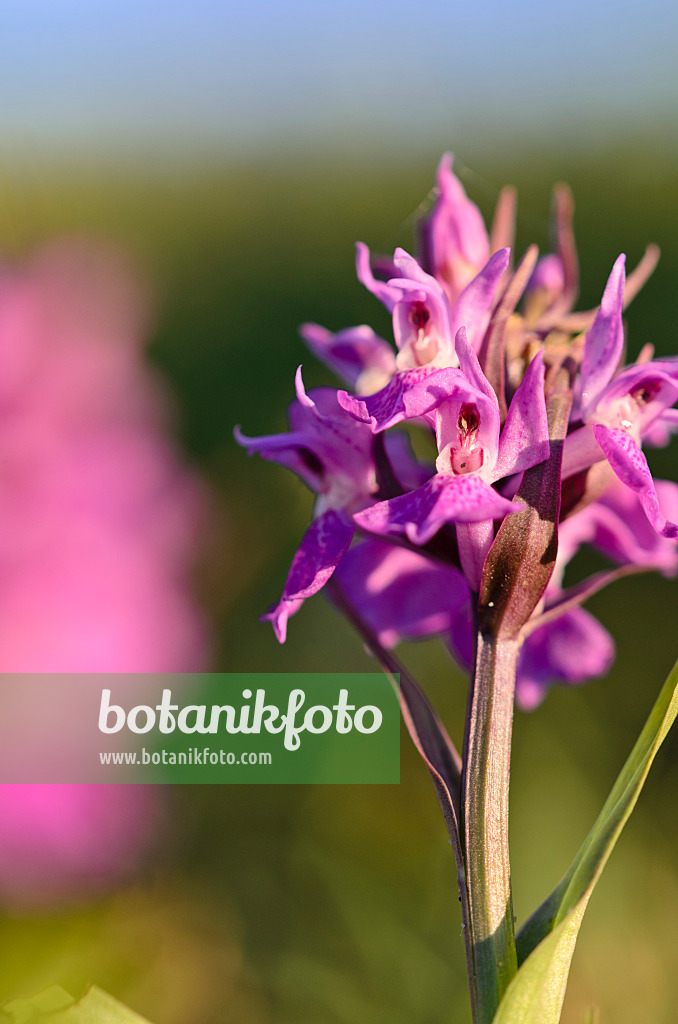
[{"x": 338, "y": 905}]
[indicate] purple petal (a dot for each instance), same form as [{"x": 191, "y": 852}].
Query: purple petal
[
  {"x": 409, "y": 268},
  {"x": 572, "y": 649},
  {"x": 524, "y": 441},
  {"x": 442, "y": 499},
  {"x": 605, "y": 340},
  {"x": 324, "y": 447},
  {"x": 472, "y": 308},
  {"x": 453, "y": 237},
  {"x": 617, "y": 526},
  {"x": 400, "y": 594},
  {"x": 409, "y": 472},
  {"x": 295, "y": 450},
  {"x": 322, "y": 548},
  {"x": 351, "y": 352},
  {"x": 580, "y": 451},
  {"x": 384, "y": 292},
  {"x": 470, "y": 367},
  {"x": 630, "y": 465},
  {"x": 408, "y": 395}
]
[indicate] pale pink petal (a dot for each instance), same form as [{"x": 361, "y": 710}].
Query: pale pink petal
[
  {"x": 383, "y": 291},
  {"x": 454, "y": 239},
  {"x": 487, "y": 408}
]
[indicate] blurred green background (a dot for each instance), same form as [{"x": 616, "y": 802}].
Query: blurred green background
[{"x": 320, "y": 905}]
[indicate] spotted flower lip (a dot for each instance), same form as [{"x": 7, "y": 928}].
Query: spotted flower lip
[
  {"x": 421, "y": 313},
  {"x": 424, "y": 323},
  {"x": 473, "y": 452}
]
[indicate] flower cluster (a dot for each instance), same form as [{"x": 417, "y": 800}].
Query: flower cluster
[{"x": 482, "y": 348}]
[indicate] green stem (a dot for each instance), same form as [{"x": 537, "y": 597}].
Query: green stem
[{"x": 485, "y": 790}]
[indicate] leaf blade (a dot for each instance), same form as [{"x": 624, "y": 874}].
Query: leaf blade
[
  {"x": 56, "y": 1006},
  {"x": 536, "y": 994}
]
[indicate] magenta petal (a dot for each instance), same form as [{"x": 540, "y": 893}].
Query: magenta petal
[
  {"x": 605, "y": 339},
  {"x": 547, "y": 656},
  {"x": 472, "y": 308},
  {"x": 350, "y": 352},
  {"x": 524, "y": 441},
  {"x": 548, "y": 276},
  {"x": 408, "y": 395},
  {"x": 292, "y": 450},
  {"x": 322, "y": 548},
  {"x": 630, "y": 465},
  {"x": 442, "y": 499},
  {"x": 389, "y": 296},
  {"x": 617, "y": 526},
  {"x": 400, "y": 594}
]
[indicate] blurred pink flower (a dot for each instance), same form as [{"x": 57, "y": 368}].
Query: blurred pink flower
[{"x": 99, "y": 525}]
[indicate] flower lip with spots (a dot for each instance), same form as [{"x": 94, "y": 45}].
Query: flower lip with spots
[
  {"x": 473, "y": 453},
  {"x": 424, "y": 323}
]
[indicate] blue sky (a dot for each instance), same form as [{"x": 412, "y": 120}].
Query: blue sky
[{"x": 238, "y": 76}]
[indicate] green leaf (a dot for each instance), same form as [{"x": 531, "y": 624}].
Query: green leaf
[
  {"x": 535, "y": 996},
  {"x": 22, "y": 1010},
  {"x": 56, "y": 1006}
]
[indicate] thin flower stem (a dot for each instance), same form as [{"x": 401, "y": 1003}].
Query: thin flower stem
[{"x": 485, "y": 788}]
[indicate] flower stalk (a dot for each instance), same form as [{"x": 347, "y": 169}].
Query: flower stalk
[{"x": 485, "y": 781}]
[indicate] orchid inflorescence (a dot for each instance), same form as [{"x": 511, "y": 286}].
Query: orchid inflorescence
[
  {"x": 539, "y": 430},
  {"x": 475, "y": 371}
]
